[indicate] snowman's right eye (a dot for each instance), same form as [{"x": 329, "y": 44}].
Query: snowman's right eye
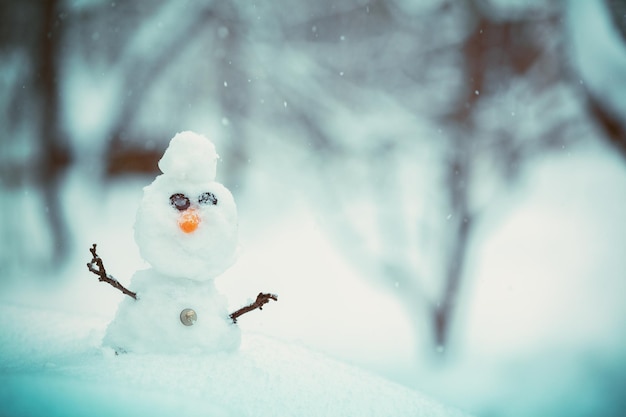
[{"x": 179, "y": 201}]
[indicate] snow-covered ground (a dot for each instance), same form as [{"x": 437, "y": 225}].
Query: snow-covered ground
[{"x": 52, "y": 365}]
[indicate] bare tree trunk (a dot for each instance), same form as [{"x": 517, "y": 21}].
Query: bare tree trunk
[
  {"x": 462, "y": 220},
  {"x": 55, "y": 155},
  {"x": 612, "y": 124},
  {"x": 457, "y": 180}
]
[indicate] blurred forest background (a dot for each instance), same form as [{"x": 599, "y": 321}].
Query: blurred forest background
[{"x": 402, "y": 124}]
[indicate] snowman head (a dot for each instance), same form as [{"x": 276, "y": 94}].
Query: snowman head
[{"x": 186, "y": 225}]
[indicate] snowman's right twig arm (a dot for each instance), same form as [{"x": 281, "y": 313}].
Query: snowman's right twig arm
[
  {"x": 97, "y": 267},
  {"x": 260, "y": 301}
]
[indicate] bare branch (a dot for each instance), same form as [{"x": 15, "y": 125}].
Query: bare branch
[
  {"x": 260, "y": 301},
  {"x": 97, "y": 267}
]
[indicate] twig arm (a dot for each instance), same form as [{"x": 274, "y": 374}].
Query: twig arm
[
  {"x": 260, "y": 301},
  {"x": 97, "y": 267}
]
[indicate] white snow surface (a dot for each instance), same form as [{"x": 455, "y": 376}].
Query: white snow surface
[{"x": 53, "y": 365}]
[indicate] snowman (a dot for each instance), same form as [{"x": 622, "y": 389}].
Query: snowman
[{"x": 186, "y": 229}]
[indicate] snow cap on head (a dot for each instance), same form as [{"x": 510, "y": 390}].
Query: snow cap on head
[{"x": 190, "y": 156}]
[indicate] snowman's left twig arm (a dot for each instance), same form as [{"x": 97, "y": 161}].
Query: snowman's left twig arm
[
  {"x": 260, "y": 301},
  {"x": 97, "y": 267}
]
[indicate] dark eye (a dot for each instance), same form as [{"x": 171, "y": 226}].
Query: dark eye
[
  {"x": 207, "y": 198},
  {"x": 179, "y": 201}
]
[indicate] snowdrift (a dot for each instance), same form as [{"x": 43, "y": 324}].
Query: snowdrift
[{"x": 52, "y": 364}]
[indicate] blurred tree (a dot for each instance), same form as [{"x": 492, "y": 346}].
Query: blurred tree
[
  {"x": 55, "y": 154},
  {"x": 135, "y": 57},
  {"x": 193, "y": 60},
  {"x": 607, "y": 116},
  {"x": 414, "y": 146},
  {"x": 617, "y": 9},
  {"x": 34, "y": 145}
]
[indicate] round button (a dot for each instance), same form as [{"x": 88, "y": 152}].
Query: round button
[{"x": 188, "y": 317}]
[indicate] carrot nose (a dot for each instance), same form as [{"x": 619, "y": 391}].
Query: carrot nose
[{"x": 189, "y": 220}]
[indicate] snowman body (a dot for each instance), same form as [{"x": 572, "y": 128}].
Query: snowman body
[
  {"x": 153, "y": 323},
  {"x": 186, "y": 228}
]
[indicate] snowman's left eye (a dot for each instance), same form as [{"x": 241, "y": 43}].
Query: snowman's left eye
[
  {"x": 179, "y": 201},
  {"x": 207, "y": 198}
]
